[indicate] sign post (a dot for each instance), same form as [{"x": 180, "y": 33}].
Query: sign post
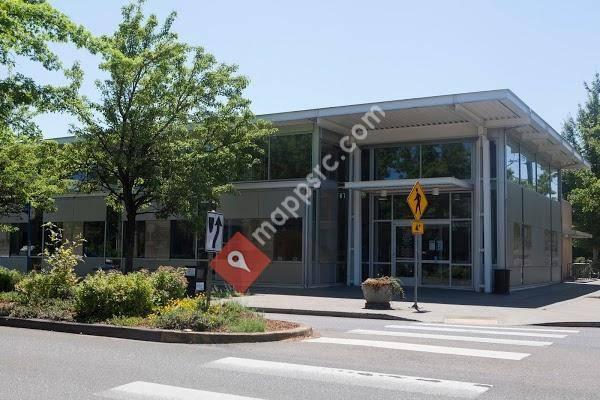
[
  {"x": 417, "y": 201},
  {"x": 213, "y": 244}
]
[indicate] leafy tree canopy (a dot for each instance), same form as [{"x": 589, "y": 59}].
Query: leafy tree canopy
[
  {"x": 172, "y": 128},
  {"x": 30, "y": 168},
  {"x": 27, "y": 27},
  {"x": 582, "y": 187}
]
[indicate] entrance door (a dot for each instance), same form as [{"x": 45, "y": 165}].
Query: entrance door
[{"x": 403, "y": 252}]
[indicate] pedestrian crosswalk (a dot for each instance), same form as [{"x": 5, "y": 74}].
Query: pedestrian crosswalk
[
  {"x": 437, "y": 338},
  {"x": 447, "y": 340}
]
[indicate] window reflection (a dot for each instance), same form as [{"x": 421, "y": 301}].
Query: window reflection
[
  {"x": 450, "y": 159},
  {"x": 397, "y": 162}
]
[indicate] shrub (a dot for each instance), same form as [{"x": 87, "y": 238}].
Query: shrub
[
  {"x": 54, "y": 309},
  {"x": 169, "y": 284},
  {"x": 182, "y": 314},
  {"x": 8, "y": 279},
  {"x": 11, "y": 297},
  {"x": 58, "y": 280},
  {"x": 193, "y": 314},
  {"x": 104, "y": 295}
]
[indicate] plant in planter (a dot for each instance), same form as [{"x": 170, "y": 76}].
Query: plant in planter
[{"x": 378, "y": 292}]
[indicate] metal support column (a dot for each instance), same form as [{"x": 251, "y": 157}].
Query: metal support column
[
  {"x": 487, "y": 211},
  {"x": 356, "y": 223}
]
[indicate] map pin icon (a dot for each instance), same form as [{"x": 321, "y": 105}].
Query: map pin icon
[{"x": 236, "y": 259}]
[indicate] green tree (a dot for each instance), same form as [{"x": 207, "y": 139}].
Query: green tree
[
  {"x": 27, "y": 27},
  {"x": 30, "y": 169},
  {"x": 171, "y": 128},
  {"x": 582, "y": 187}
]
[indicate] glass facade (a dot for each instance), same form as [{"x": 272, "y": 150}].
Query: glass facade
[
  {"x": 446, "y": 245},
  {"x": 423, "y": 161},
  {"x": 531, "y": 171},
  {"x": 285, "y": 156}
]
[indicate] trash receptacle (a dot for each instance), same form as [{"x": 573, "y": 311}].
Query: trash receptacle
[{"x": 502, "y": 281}]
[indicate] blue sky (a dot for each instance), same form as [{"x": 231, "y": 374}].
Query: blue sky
[{"x": 307, "y": 54}]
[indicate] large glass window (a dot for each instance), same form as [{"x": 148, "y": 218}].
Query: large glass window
[
  {"x": 290, "y": 156},
  {"x": 439, "y": 207},
  {"x": 397, "y": 162},
  {"x": 554, "y": 184},
  {"x": 450, "y": 159},
  {"x": 382, "y": 242},
  {"x": 139, "y": 247},
  {"x": 157, "y": 239},
  {"x": 365, "y": 165},
  {"x": 461, "y": 242},
  {"x": 18, "y": 240},
  {"x": 435, "y": 274},
  {"x": 285, "y": 244},
  {"x": 461, "y": 205},
  {"x": 182, "y": 239},
  {"x": 93, "y": 233},
  {"x": 527, "y": 169},
  {"x": 543, "y": 178},
  {"x": 436, "y": 242},
  {"x": 113, "y": 233},
  {"x": 383, "y": 207},
  {"x": 512, "y": 162}
]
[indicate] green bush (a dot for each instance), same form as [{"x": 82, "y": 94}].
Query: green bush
[
  {"x": 169, "y": 284},
  {"x": 11, "y": 297},
  {"x": 193, "y": 314},
  {"x": 54, "y": 309},
  {"x": 58, "y": 279},
  {"x": 8, "y": 279},
  {"x": 104, "y": 295}
]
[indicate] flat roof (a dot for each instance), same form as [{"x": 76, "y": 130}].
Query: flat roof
[{"x": 490, "y": 109}]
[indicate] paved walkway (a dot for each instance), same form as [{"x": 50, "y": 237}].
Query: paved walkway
[{"x": 569, "y": 302}]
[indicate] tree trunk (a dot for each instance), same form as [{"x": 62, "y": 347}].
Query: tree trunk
[
  {"x": 595, "y": 256},
  {"x": 129, "y": 241}
]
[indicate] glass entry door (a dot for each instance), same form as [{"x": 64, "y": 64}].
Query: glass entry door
[
  {"x": 403, "y": 252},
  {"x": 435, "y": 261}
]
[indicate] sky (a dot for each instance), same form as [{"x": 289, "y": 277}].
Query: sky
[{"x": 309, "y": 54}]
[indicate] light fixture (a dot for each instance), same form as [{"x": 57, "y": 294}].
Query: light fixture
[
  {"x": 436, "y": 191},
  {"x": 384, "y": 193}
]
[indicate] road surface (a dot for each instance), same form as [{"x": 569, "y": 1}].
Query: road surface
[{"x": 350, "y": 359}]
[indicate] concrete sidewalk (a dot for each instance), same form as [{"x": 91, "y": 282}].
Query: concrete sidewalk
[{"x": 575, "y": 303}]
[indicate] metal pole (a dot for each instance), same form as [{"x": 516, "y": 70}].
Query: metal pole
[
  {"x": 417, "y": 238},
  {"x": 28, "y": 237},
  {"x": 208, "y": 288}
]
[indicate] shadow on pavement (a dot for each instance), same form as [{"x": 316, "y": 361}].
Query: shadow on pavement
[{"x": 525, "y": 298}]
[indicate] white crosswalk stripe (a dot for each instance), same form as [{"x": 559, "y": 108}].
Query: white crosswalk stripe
[
  {"x": 514, "y": 342},
  {"x": 501, "y": 328},
  {"x": 459, "y": 351},
  {"x": 479, "y": 331},
  {"x": 140, "y": 390},
  {"x": 430, "y": 386}
]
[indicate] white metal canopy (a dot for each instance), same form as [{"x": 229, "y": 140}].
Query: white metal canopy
[
  {"x": 457, "y": 114},
  {"x": 407, "y": 184}
]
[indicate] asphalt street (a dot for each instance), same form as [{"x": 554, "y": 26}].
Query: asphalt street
[{"x": 347, "y": 359}]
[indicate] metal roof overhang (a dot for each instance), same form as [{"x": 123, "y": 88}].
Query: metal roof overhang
[
  {"x": 458, "y": 114},
  {"x": 391, "y": 185}
]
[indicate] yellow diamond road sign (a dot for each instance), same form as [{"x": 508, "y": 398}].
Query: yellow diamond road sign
[{"x": 417, "y": 201}]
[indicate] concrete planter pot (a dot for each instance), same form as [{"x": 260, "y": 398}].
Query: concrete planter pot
[{"x": 377, "y": 297}]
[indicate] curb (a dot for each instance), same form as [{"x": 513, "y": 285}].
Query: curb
[
  {"x": 155, "y": 335},
  {"x": 571, "y": 324},
  {"x": 324, "y": 313}
]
